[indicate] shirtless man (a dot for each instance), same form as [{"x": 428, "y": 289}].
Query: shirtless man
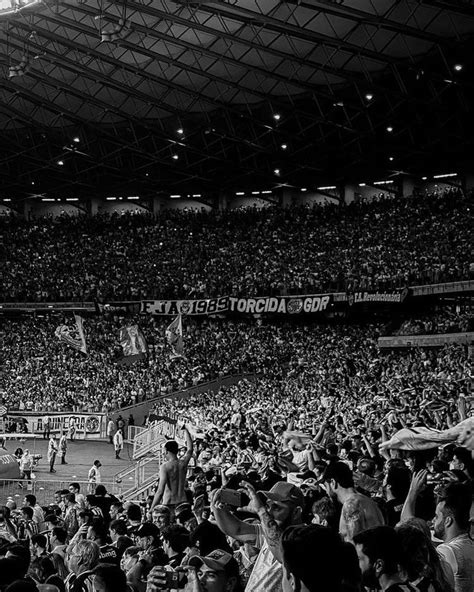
[{"x": 173, "y": 471}]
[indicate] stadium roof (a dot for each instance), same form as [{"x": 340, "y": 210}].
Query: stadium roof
[{"x": 141, "y": 97}]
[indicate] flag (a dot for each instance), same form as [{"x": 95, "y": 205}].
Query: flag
[
  {"x": 174, "y": 336},
  {"x": 425, "y": 438},
  {"x": 134, "y": 345},
  {"x": 73, "y": 336}
]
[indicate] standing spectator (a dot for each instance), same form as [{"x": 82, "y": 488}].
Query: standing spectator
[
  {"x": 118, "y": 443},
  {"x": 110, "y": 430},
  {"x": 171, "y": 486},
  {"x": 52, "y": 451},
  {"x": 94, "y": 477},
  {"x": 62, "y": 446}
]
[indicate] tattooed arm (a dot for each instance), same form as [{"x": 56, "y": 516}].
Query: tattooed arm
[{"x": 271, "y": 530}]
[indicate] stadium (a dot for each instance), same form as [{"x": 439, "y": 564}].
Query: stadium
[{"x": 236, "y": 296}]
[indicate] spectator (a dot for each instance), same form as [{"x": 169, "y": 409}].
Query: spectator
[
  {"x": 358, "y": 512},
  {"x": 334, "y": 564},
  {"x": 82, "y": 557},
  {"x": 380, "y": 559}
]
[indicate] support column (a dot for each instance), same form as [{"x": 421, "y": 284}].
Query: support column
[
  {"x": 407, "y": 186},
  {"x": 350, "y": 191}
]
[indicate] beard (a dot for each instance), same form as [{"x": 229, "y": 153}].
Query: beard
[
  {"x": 369, "y": 579},
  {"x": 439, "y": 532}
]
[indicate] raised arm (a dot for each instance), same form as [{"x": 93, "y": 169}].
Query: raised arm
[
  {"x": 189, "y": 446},
  {"x": 417, "y": 484},
  {"x": 271, "y": 530},
  {"x": 229, "y": 524}
]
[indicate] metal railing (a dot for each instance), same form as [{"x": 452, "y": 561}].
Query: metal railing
[{"x": 152, "y": 438}]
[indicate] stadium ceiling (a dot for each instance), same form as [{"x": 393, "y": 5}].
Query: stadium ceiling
[{"x": 140, "y": 97}]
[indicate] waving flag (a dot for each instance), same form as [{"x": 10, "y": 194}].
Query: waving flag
[
  {"x": 134, "y": 345},
  {"x": 174, "y": 336},
  {"x": 425, "y": 438},
  {"x": 73, "y": 336}
]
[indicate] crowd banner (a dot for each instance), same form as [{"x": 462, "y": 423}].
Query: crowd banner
[
  {"x": 377, "y": 297},
  {"x": 229, "y": 304},
  {"x": 87, "y": 426}
]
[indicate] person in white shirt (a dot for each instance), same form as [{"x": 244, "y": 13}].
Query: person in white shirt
[
  {"x": 451, "y": 525},
  {"x": 52, "y": 452},
  {"x": 94, "y": 477},
  {"x": 118, "y": 443}
]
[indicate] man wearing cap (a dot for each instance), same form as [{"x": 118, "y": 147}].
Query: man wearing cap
[
  {"x": 151, "y": 554},
  {"x": 284, "y": 507},
  {"x": 216, "y": 572},
  {"x": 172, "y": 482}
]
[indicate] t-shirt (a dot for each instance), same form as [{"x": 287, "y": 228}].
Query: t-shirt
[
  {"x": 267, "y": 572},
  {"x": 359, "y": 513},
  {"x": 459, "y": 553}
]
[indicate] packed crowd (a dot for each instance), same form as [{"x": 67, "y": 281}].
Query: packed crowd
[
  {"x": 444, "y": 320},
  {"x": 335, "y": 517},
  {"x": 43, "y": 374},
  {"x": 388, "y": 244},
  {"x": 305, "y": 363}
]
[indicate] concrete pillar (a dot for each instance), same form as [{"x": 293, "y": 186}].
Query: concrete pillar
[
  {"x": 156, "y": 204},
  {"x": 350, "y": 191},
  {"x": 223, "y": 200},
  {"x": 468, "y": 181},
  {"x": 407, "y": 186},
  {"x": 94, "y": 205},
  {"x": 286, "y": 197}
]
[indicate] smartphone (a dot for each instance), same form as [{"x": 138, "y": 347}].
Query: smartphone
[
  {"x": 176, "y": 579},
  {"x": 232, "y": 497}
]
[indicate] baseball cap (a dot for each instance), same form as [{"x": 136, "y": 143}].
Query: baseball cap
[
  {"x": 148, "y": 529},
  {"x": 217, "y": 560},
  {"x": 285, "y": 492}
]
